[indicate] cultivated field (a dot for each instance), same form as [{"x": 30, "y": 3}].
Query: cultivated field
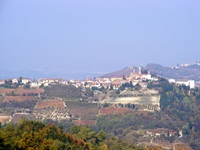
[
  {"x": 114, "y": 110},
  {"x": 18, "y": 116},
  {"x": 85, "y": 122},
  {"x": 119, "y": 110},
  {"x": 22, "y": 91},
  {"x": 6, "y": 91},
  {"x": 87, "y": 111},
  {"x": 20, "y": 98},
  {"x": 50, "y": 103},
  {"x": 2, "y": 98},
  {"x": 180, "y": 146},
  {"x": 137, "y": 100}
]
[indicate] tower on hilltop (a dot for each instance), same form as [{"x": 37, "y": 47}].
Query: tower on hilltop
[{"x": 139, "y": 70}]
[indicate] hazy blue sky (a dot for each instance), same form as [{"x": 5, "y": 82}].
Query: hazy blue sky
[{"x": 97, "y": 35}]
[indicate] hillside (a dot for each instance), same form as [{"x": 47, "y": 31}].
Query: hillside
[
  {"x": 185, "y": 71},
  {"x": 37, "y": 74},
  {"x": 126, "y": 71},
  {"x": 123, "y": 122}
]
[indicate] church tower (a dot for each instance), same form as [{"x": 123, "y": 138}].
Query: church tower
[{"x": 139, "y": 70}]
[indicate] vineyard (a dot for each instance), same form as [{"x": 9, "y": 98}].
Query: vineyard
[
  {"x": 2, "y": 98},
  {"x": 22, "y": 91},
  {"x": 20, "y": 98},
  {"x": 88, "y": 111},
  {"x": 6, "y": 91},
  {"x": 114, "y": 110},
  {"x": 50, "y": 103}
]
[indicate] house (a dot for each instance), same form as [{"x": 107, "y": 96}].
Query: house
[
  {"x": 65, "y": 82},
  {"x": 92, "y": 83},
  {"x": 146, "y": 77},
  {"x": 134, "y": 82},
  {"x": 171, "y": 80},
  {"x": 103, "y": 80},
  {"x": 116, "y": 84},
  {"x": 26, "y": 80},
  {"x": 190, "y": 83},
  {"x": 106, "y": 85},
  {"x": 154, "y": 79},
  {"x": 116, "y": 78},
  {"x": 47, "y": 81},
  {"x": 14, "y": 80},
  {"x": 34, "y": 85},
  {"x": 143, "y": 85},
  {"x": 78, "y": 83},
  {"x": 2, "y": 82},
  {"x": 161, "y": 131},
  {"x": 46, "y": 84},
  {"x": 140, "y": 75},
  {"x": 72, "y": 81}
]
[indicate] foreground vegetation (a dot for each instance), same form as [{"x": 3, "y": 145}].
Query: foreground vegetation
[{"x": 36, "y": 135}]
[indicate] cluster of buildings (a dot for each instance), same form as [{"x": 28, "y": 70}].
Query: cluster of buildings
[
  {"x": 161, "y": 131},
  {"x": 186, "y": 65},
  {"x": 113, "y": 82},
  {"x": 34, "y": 83},
  {"x": 108, "y": 83}
]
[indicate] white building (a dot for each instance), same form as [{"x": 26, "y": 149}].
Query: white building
[
  {"x": 14, "y": 80},
  {"x": 190, "y": 83},
  {"x": 2, "y": 82},
  {"x": 25, "y": 81},
  {"x": 34, "y": 85},
  {"x": 171, "y": 80}
]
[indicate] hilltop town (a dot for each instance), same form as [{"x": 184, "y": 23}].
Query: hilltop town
[
  {"x": 48, "y": 98},
  {"x": 85, "y": 102}
]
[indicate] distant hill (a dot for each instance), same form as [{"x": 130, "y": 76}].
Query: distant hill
[
  {"x": 184, "y": 71},
  {"x": 35, "y": 74},
  {"x": 126, "y": 71}
]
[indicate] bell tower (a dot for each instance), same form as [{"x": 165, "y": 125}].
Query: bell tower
[{"x": 139, "y": 70}]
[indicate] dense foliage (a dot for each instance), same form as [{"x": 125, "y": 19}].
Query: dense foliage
[
  {"x": 36, "y": 135},
  {"x": 184, "y": 110}
]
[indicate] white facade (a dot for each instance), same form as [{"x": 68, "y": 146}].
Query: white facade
[
  {"x": 34, "y": 85},
  {"x": 2, "y": 82},
  {"x": 25, "y": 81},
  {"x": 171, "y": 80},
  {"x": 190, "y": 83},
  {"x": 14, "y": 80},
  {"x": 146, "y": 77}
]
